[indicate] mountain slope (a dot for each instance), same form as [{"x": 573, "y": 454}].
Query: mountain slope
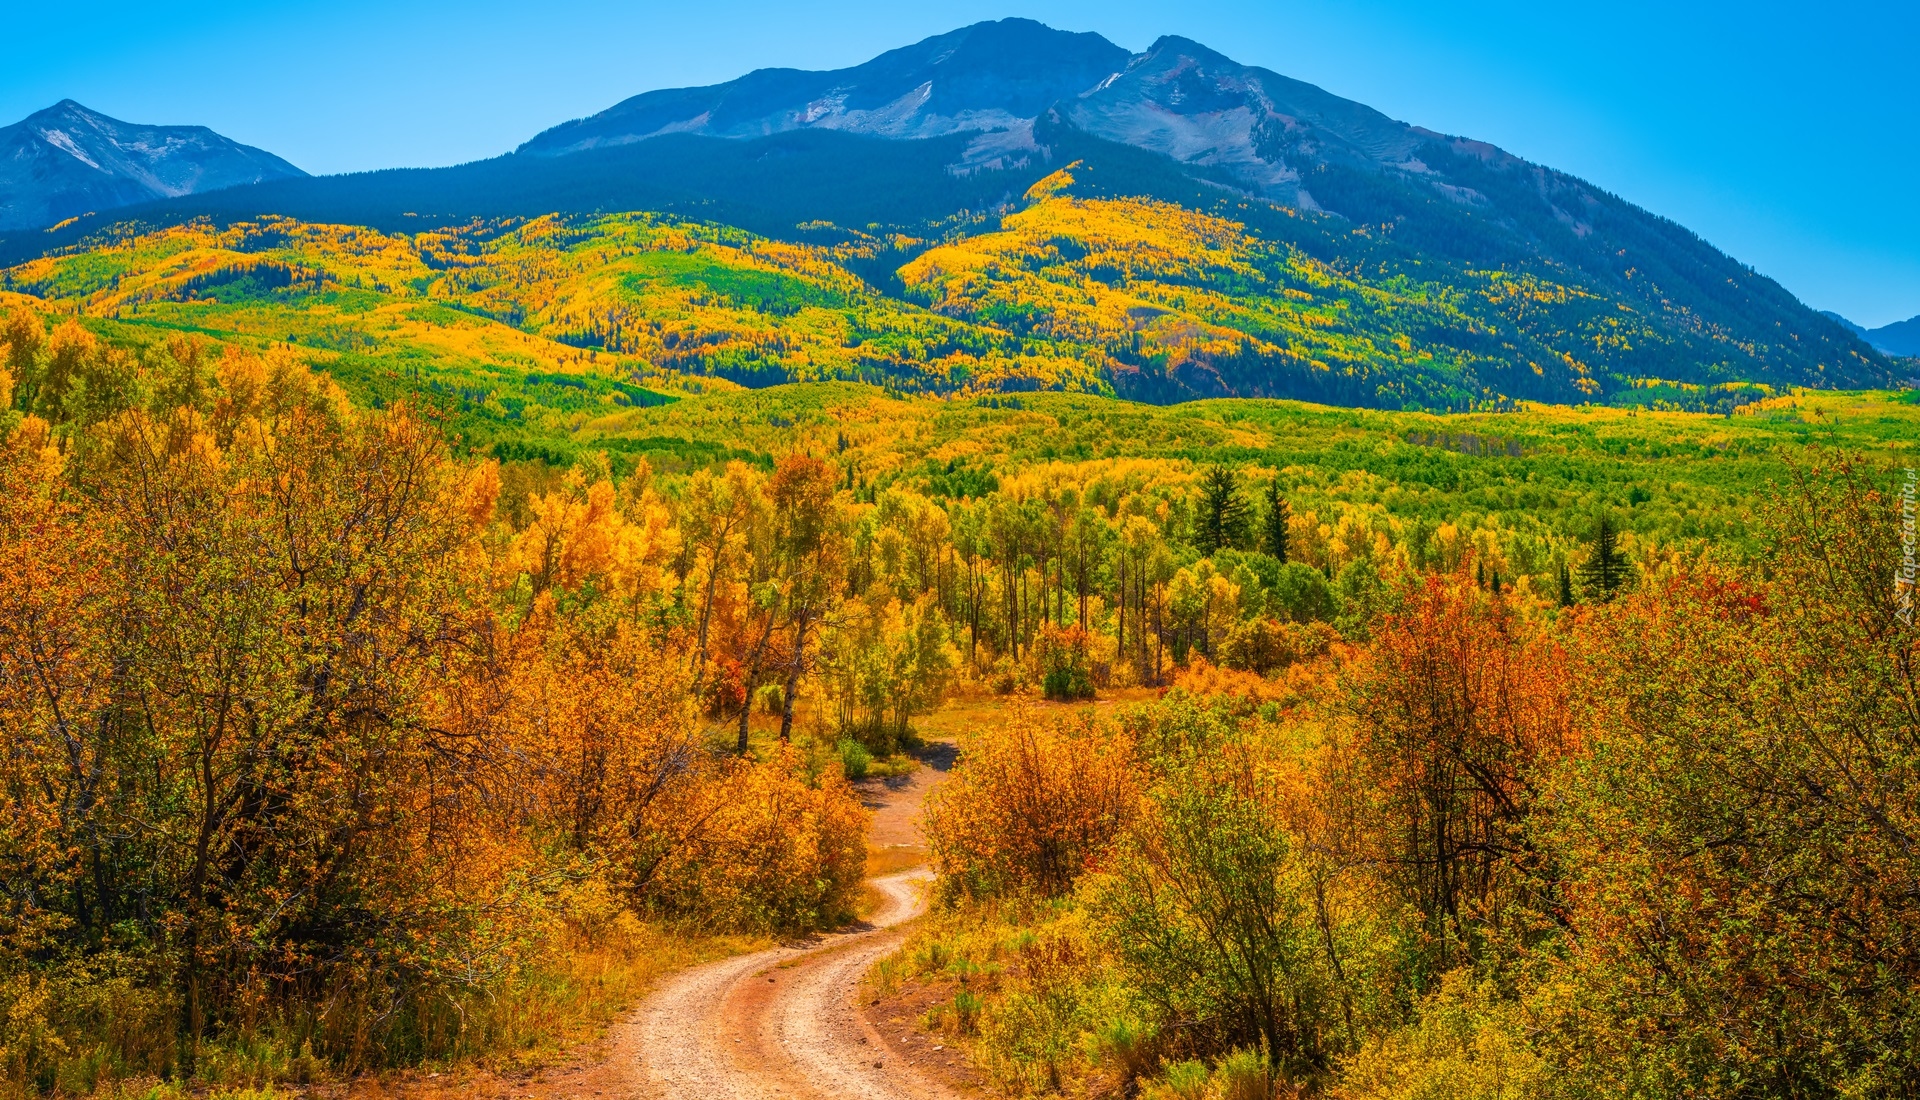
[
  {"x": 66, "y": 161},
  {"x": 1844, "y": 323},
  {"x": 1438, "y": 271},
  {"x": 1074, "y": 290},
  {"x": 1464, "y": 201},
  {"x": 770, "y": 185},
  {"x": 1268, "y": 136},
  {"x": 660, "y": 295}
]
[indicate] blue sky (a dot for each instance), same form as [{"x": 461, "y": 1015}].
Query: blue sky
[{"x": 1786, "y": 134}]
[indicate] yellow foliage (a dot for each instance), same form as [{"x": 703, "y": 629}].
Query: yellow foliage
[
  {"x": 579, "y": 536},
  {"x": 773, "y": 851},
  {"x": 1468, "y": 1042}
]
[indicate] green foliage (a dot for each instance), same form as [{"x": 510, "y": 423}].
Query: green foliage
[
  {"x": 1274, "y": 523},
  {"x": 1243, "y": 1075},
  {"x": 884, "y": 666},
  {"x": 1212, "y": 910},
  {"x": 1363, "y": 597},
  {"x": 855, "y": 760},
  {"x": 1605, "y": 571},
  {"x": 1265, "y": 645},
  {"x": 1302, "y": 594},
  {"x": 1187, "y": 1080},
  {"x": 1223, "y": 518},
  {"x": 1467, "y": 1042}
]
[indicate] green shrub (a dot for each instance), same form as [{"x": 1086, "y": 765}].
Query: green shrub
[
  {"x": 1265, "y": 645},
  {"x": 1302, "y": 594},
  {"x": 966, "y": 1012},
  {"x": 1185, "y": 1081},
  {"x": 1216, "y": 915},
  {"x": 1243, "y": 1075},
  {"x": 1466, "y": 1043},
  {"x": 855, "y": 760}
]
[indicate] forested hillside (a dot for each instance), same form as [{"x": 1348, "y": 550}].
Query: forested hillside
[
  {"x": 1080, "y": 288},
  {"x": 392, "y": 725}
]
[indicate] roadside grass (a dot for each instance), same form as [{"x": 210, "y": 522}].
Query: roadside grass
[{"x": 590, "y": 972}]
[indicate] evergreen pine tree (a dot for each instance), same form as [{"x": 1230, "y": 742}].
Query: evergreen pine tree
[
  {"x": 1277, "y": 515},
  {"x": 1566, "y": 586},
  {"x": 1605, "y": 570},
  {"x": 1223, "y": 511}
]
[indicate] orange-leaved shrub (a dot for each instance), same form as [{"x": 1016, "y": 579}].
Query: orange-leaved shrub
[
  {"x": 1066, "y": 669},
  {"x": 1459, "y": 707},
  {"x": 1031, "y": 806},
  {"x": 768, "y": 850}
]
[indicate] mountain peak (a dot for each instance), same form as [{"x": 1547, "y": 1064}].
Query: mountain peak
[
  {"x": 65, "y": 111},
  {"x": 991, "y": 76},
  {"x": 1174, "y": 43},
  {"x": 68, "y": 160}
]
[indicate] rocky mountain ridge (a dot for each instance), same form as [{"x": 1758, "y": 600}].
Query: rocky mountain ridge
[{"x": 67, "y": 161}]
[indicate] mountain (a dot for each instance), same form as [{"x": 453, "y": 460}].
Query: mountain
[
  {"x": 1899, "y": 338},
  {"x": 66, "y": 161},
  {"x": 993, "y": 78},
  {"x": 1173, "y": 224},
  {"x": 1267, "y": 136}
]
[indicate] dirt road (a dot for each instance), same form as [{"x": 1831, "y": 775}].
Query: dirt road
[{"x": 781, "y": 1023}]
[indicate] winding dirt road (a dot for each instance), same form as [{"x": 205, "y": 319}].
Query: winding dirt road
[{"x": 782, "y": 1022}]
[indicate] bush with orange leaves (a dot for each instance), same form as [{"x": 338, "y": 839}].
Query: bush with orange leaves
[
  {"x": 769, "y": 850},
  {"x": 1031, "y": 806},
  {"x": 1066, "y": 670},
  {"x": 1460, "y": 707},
  {"x": 594, "y": 727}
]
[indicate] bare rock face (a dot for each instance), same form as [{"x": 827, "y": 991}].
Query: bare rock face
[
  {"x": 66, "y": 161},
  {"x": 1185, "y": 101}
]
